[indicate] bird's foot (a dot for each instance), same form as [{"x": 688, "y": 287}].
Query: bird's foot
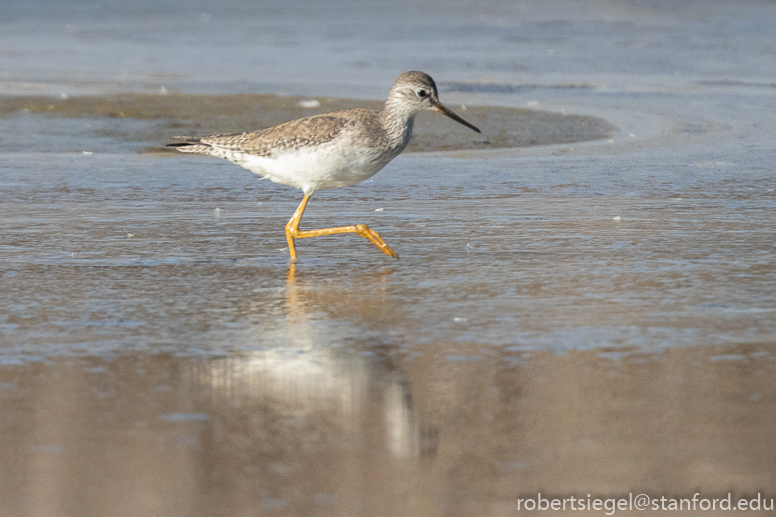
[{"x": 374, "y": 237}]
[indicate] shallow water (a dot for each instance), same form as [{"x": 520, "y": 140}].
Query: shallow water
[
  {"x": 359, "y": 429},
  {"x": 583, "y": 317},
  {"x": 148, "y": 251}
]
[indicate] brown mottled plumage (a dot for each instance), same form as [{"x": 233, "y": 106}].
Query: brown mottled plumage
[{"x": 303, "y": 132}]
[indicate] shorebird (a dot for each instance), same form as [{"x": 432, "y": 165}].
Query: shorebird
[{"x": 330, "y": 150}]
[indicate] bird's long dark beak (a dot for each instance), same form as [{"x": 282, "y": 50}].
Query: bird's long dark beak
[{"x": 441, "y": 108}]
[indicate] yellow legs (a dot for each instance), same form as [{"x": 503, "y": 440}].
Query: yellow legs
[{"x": 293, "y": 232}]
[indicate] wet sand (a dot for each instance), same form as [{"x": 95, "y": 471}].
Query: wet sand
[
  {"x": 161, "y": 356},
  {"x": 585, "y": 301},
  {"x": 360, "y": 429},
  {"x": 154, "y": 118}
]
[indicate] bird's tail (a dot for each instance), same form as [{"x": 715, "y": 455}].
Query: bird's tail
[{"x": 189, "y": 144}]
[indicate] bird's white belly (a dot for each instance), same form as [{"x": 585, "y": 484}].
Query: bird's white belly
[{"x": 322, "y": 167}]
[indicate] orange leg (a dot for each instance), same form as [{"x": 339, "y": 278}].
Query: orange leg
[{"x": 293, "y": 232}]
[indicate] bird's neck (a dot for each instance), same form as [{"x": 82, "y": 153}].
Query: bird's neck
[{"x": 397, "y": 123}]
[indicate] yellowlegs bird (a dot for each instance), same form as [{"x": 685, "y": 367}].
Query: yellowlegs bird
[{"x": 329, "y": 151}]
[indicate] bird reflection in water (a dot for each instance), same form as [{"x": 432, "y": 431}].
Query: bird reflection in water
[{"x": 403, "y": 432}]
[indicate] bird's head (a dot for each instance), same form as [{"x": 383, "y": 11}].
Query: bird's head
[{"x": 416, "y": 91}]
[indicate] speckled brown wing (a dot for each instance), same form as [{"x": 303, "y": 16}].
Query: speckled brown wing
[{"x": 305, "y": 132}]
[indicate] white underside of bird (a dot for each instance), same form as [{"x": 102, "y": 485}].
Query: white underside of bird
[{"x": 330, "y": 165}]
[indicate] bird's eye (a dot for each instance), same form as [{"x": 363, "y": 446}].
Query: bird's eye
[{"x": 421, "y": 93}]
